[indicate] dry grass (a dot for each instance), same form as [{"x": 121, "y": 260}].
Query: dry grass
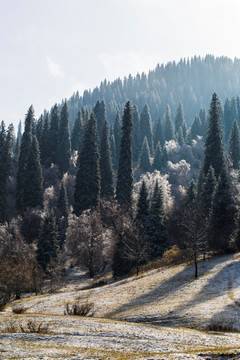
[
  {"x": 80, "y": 309},
  {"x": 12, "y": 326}
]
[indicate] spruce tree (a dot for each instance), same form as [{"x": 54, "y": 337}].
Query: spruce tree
[
  {"x": 143, "y": 206},
  {"x": 76, "y": 132},
  {"x": 234, "y": 146},
  {"x": 179, "y": 137},
  {"x": 53, "y": 133},
  {"x": 87, "y": 187},
  {"x": 207, "y": 191},
  {"x": 106, "y": 171},
  {"x": 33, "y": 195},
  {"x": 100, "y": 113},
  {"x": 179, "y": 118},
  {"x": 213, "y": 151},
  {"x": 168, "y": 125},
  {"x": 113, "y": 152},
  {"x": 48, "y": 245},
  {"x": 64, "y": 143},
  {"x": 144, "y": 159},
  {"x": 18, "y": 141},
  {"x": 158, "y": 135},
  {"x": 62, "y": 214},
  {"x": 146, "y": 127},
  {"x": 157, "y": 161},
  {"x": 117, "y": 134},
  {"x": 136, "y": 134},
  {"x": 45, "y": 143},
  {"x": 196, "y": 128},
  {"x": 23, "y": 159},
  {"x": 157, "y": 225},
  {"x": 191, "y": 192},
  {"x": 124, "y": 187}
]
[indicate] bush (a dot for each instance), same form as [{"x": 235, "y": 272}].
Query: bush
[
  {"x": 222, "y": 325},
  {"x": 19, "y": 309},
  {"x": 31, "y": 327},
  {"x": 173, "y": 256},
  {"x": 84, "y": 309}
]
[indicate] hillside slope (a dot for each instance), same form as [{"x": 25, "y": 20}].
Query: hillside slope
[{"x": 168, "y": 296}]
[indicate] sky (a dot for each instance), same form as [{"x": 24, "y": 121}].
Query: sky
[{"x": 52, "y": 48}]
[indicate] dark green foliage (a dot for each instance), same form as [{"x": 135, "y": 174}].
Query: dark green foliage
[
  {"x": 45, "y": 144},
  {"x": 125, "y": 171},
  {"x": 33, "y": 195},
  {"x": 168, "y": 125},
  {"x": 196, "y": 128},
  {"x": 207, "y": 191},
  {"x": 23, "y": 159},
  {"x": 144, "y": 159},
  {"x": 236, "y": 236},
  {"x": 158, "y": 135},
  {"x": 164, "y": 156},
  {"x": 76, "y": 132},
  {"x": 146, "y": 127},
  {"x": 62, "y": 202},
  {"x": 64, "y": 143},
  {"x": 143, "y": 205},
  {"x": 184, "y": 130},
  {"x": 100, "y": 113},
  {"x": 157, "y": 225},
  {"x": 39, "y": 129},
  {"x": 191, "y": 193},
  {"x": 179, "y": 118},
  {"x": 113, "y": 152},
  {"x": 18, "y": 141},
  {"x": 136, "y": 134},
  {"x": 53, "y": 133},
  {"x": 87, "y": 187},
  {"x": 106, "y": 171},
  {"x": 222, "y": 215},
  {"x": 158, "y": 161},
  {"x": 179, "y": 136},
  {"x": 117, "y": 134},
  {"x": 213, "y": 151},
  {"x": 234, "y": 146},
  {"x": 47, "y": 245}
]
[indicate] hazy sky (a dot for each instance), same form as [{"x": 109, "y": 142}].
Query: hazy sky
[{"x": 51, "y": 48}]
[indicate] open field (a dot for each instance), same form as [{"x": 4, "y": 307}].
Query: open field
[{"x": 162, "y": 314}]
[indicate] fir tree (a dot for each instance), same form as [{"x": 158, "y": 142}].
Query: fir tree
[
  {"x": 191, "y": 192},
  {"x": 157, "y": 162},
  {"x": 33, "y": 195},
  {"x": 136, "y": 134},
  {"x": 157, "y": 225},
  {"x": 23, "y": 159},
  {"x": 207, "y": 191},
  {"x": 213, "y": 152},
  {"x": 179, "y": 118},
  {"x": 113, "y": 152},
  {"x": 45, "y": 143},
  {"x": 87, "y": 187},
  {"x": 64, "y": 143},
  {"x": 196, "y": 128},
  {"x": 76, "y": 132},
  {"x": 168, "y": 125},
  {"x": 234, "y": 146},
  {"x": 62, "y": 214},
  {"x": 100, "y": 113},
  {"x": 143, "y": 205},
  {"x": 125, "y": 171},
  {"x": 18, "y": 141},
  {"x": 158, "y": 135},
  {"x": 53, "y": 133},
  {"x": 180, "y": 138},
  {"x": 117, "y": 134},
  {"x": 146, "y": 127},
  {"x": 47, "y": 245},
  {"x": 144, "y": 159},
  {"x": 106, "y": 170}
]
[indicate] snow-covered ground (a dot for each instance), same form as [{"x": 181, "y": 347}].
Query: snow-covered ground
[{"x": 162, "y": 314}]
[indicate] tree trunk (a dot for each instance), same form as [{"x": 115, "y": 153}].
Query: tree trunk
[{"x": 196, "y": 265}]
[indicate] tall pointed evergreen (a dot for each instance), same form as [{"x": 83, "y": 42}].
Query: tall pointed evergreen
[
  {"x": 53, "y": 133},
  {"x": 146, "y": 127},
  {"x": 62, "y": 214},
  {"x": 45, "y": 143},
  {"x": 168, "y": 125},
  {"x": 234, "y": 146},
  {"x": 18, "y": 140},
  {"x": 100, "y": 113},
  {"x": 207, "y": 191},
  {"x": 117, "y": 134},
  {"x": 125, "y": 171},
  {"x": 158, "y": 135},
  {"x": 157, "y": 161},
  {"x": 23, "y": 159},
  {"x": 87, "y": 187},
  {"x": 64, "y": 143},
  {"x": 106, "y": 171},
  {"x": 136, "y": 134},
  {"x": 179, "y": 118},
  {"x": 144, "y": 159},
  {"x": 143, "y": 205},
  {"x": 33, "y": 195},
  {"x": 76, "y": 132}
]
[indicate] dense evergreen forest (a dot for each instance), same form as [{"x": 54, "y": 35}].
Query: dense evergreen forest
[{"x": 117, "y": 178}]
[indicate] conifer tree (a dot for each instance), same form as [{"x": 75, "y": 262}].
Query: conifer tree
[
  {"x": 39, "y": 130},
  {"x": 158, "y": 135},
  {"x": 45, "y": 143},
  {"x": 23, "y": 159},
  {"x": 157, "y": 161},
  {"x": 157, "y": 225},
  {"x": 106, "y": 171},
  {"x": 48, "y": 245},
  {"x": 64, "y": 143},
  {"x": 62, "y": 214},
  {"x": 76, "y": 132},
  {"x": 136, "y": 134},
  {"x": 196, "y": 128},
  {"x": 144, "y": 159},
  {"x": 168, "y": 125},
  {"x": 125, "y": 171},
  {"x": 113, "y": 152},
  {"x": 100, "y": 113},
  {"x": 87, "y": 187},
  {"x": 18, "y": 141},
  {"x": 234, "y": 146},
  {"x": 179, "y": 118},
  {"x": 146, "y": 127},
  {"x": 191, "y": 192},
  {"x": 117, "y": 134},
  {"x": 54, "y": 133},
  {"x": 143, "y": 206},
  {"x": 207, "y": 191},
  {"x": 213, "y": 152},
  {"x": 33, "y": 195}
]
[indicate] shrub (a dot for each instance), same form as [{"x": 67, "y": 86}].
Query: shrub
[
  {"x": 173, "y": 256},
  {"x": 32, "y": 327},
  {"x": 84, "y": 309},
  {"x": 222, "y": 325},
  {"x": 19, "y": 309}
]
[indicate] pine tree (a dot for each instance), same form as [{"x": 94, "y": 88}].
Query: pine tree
[
  {"x": 179, "y": 136},
  {"x": 213, "y": 152},
  {"x": 179, "y": 118},
  {"x": 234, "y": 146},
  {"x": 53, "y": 134},
  {"x": 168, "y": 125},
  {"x": 157, "y": 225},
  {"x": 207, "y": 191},
  {"x": 33, "y": 195},
  {"x": 196, "y": 128},
  {"x": 117, "y": 134},
  {"x": 125, "y": 171},
  {"x": 18, "y": 141},
  {"x": 45, "y": 143},
  {"x": 48, "y": 245},
  {"x": 144, "y": 159},
  {"x": 191, "y": 192},
  {"x": 106, "y": 171},
  {"x": 146, "y": 127},
  {"x": 113, "y": 152},
  {"x": 76, "y": 132},
  {"x": 143, "y": 205},
  {"x": 64, "y": 143},
  {"x": 157, "y": 162},
  {"x": 136, "y": 134},
  {"x": 23, "y": 159},
  {"x": 100, "y": 113},
  {"x": 87, "y": 187},
  {"x": 158, "y": 135}
]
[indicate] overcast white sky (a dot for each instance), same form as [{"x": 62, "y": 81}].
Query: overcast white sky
[{"x": 51, "y": 48}]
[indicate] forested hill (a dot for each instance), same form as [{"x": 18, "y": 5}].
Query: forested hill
[{"x": 190, "y": 81}]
